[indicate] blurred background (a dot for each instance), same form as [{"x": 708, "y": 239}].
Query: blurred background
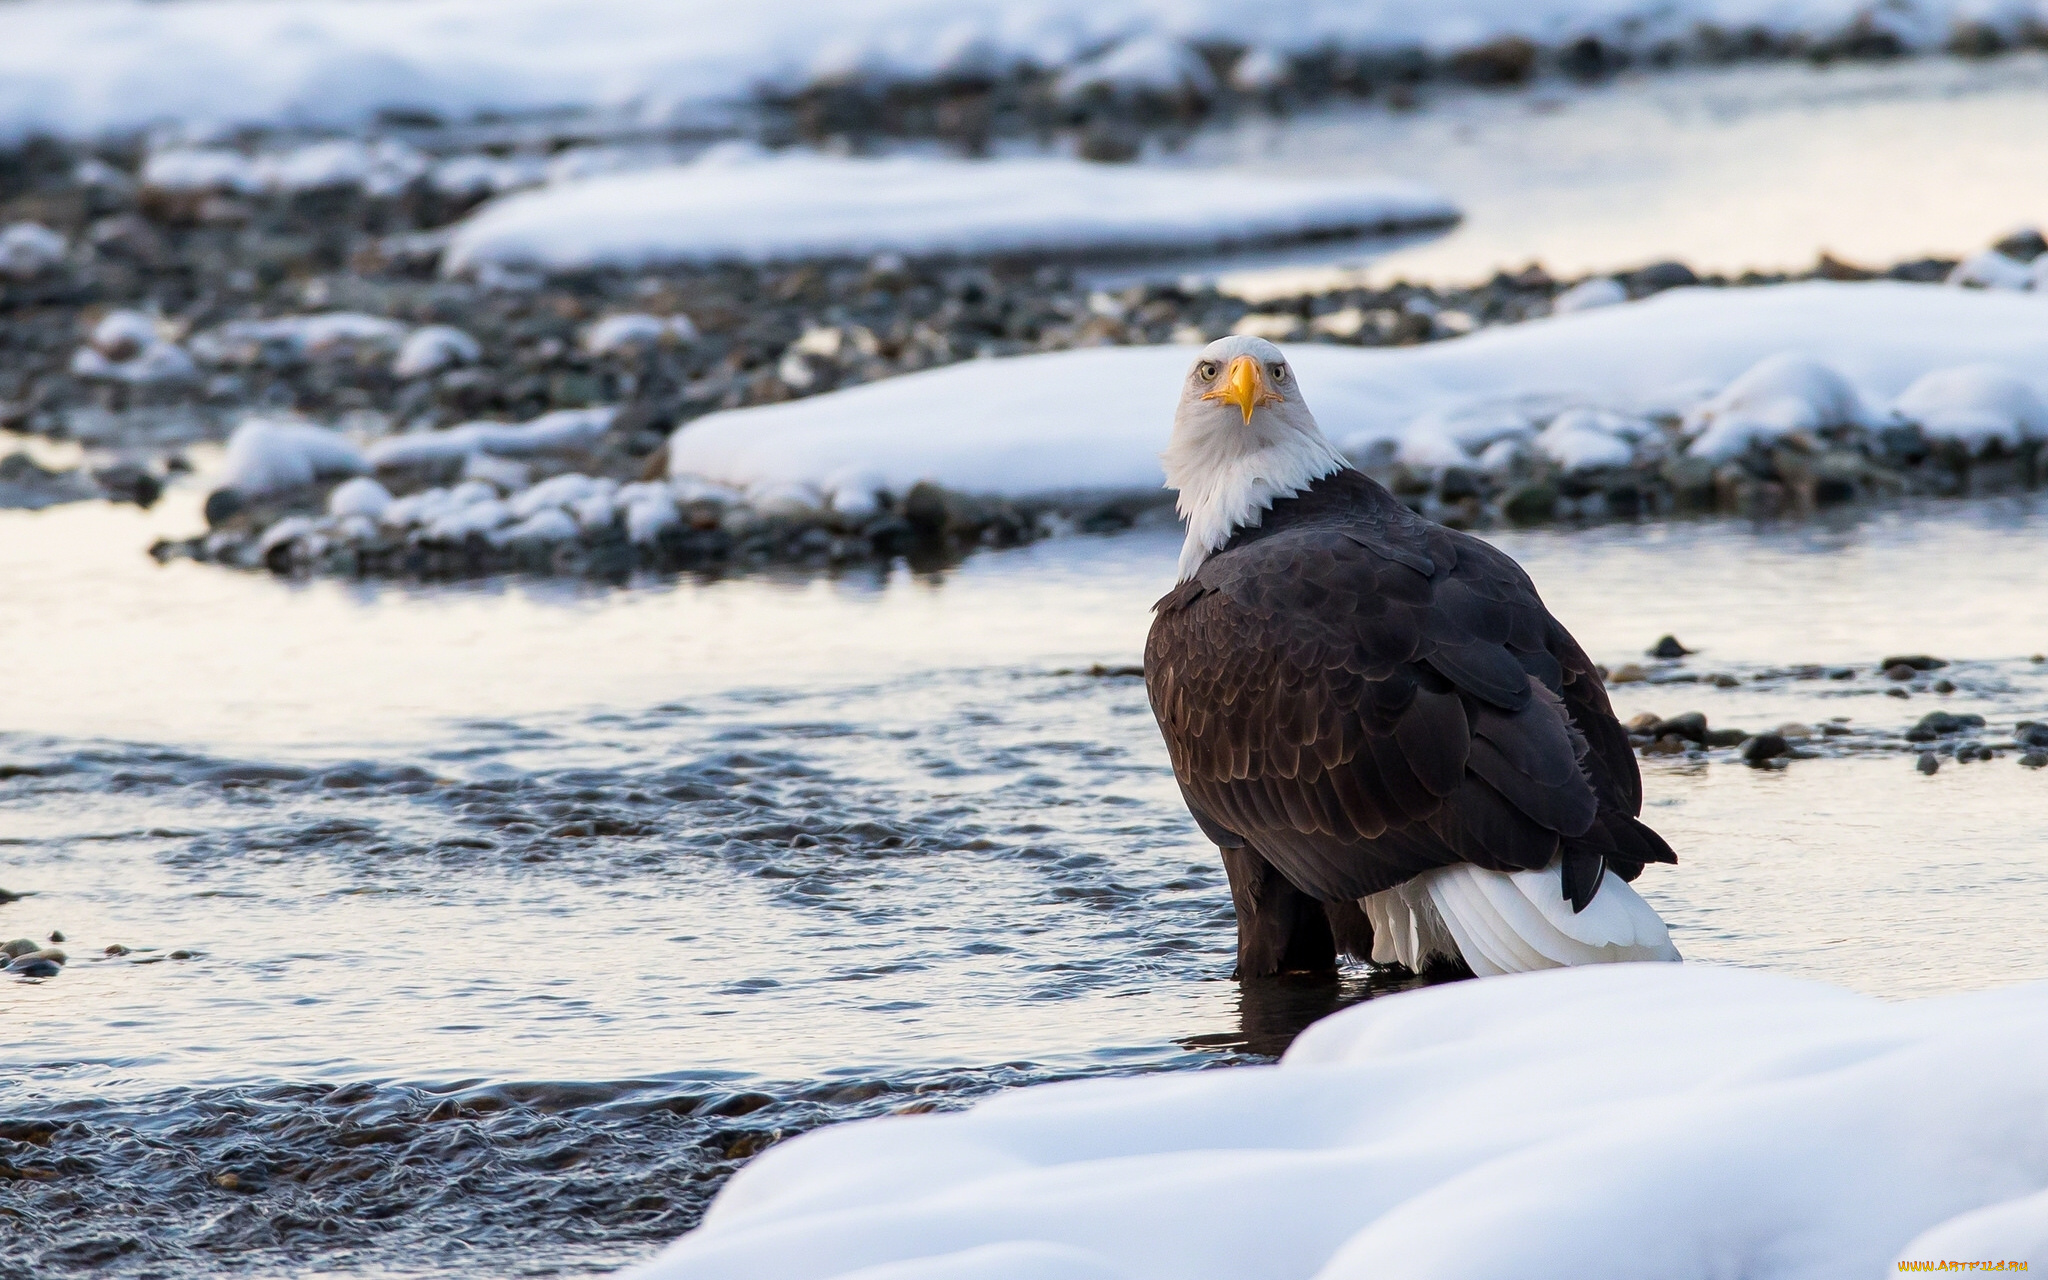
[{"x": 572, "y": 575}]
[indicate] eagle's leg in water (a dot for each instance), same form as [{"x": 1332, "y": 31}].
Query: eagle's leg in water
[{"x": 1280, "y": 929}]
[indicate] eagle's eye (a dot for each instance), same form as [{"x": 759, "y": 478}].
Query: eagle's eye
[
  {"x": 1279, "y": 372},
  {"x": 1207, "y": 370}
]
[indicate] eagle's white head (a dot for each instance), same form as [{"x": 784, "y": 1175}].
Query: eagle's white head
[{"x": 1242, "y": 437}]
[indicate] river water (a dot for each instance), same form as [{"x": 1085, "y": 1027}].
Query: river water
[
  {"x": 1728, "y": 169},
  {"x": 485, "y": 929}
]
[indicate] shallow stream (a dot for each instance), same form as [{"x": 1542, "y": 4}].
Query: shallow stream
[{"x": 484, "y": 929}]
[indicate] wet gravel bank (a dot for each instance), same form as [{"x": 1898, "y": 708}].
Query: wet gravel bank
[{"x": 144, "y": 310}]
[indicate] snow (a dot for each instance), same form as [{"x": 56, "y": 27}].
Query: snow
[
  {"x": 1586, "y": 440},
  {"x": 1780, "y": 395},
  {"x": 380, "y": 167},
  {"x": 1685, "y": 1122},
  {"x": 736, "y": 203},
  {"x": 1990, "y": 269},
  {"x": 241, "y": 342},
  {"x": 361, "y": 496},
  {"x": 434, "y": 348},
  {"x": 563, "y": 431},
  {"x": 123, "y": 65},
  {"x": 558, "y": 510},
  {"x": 1259, "y": 69},
  {"x": 1148, "y": 64},
  {"x": 1096, "y": 419},
  {"x": 269, "y": 456},
  {"x": 634, "y": 331},
  {"x": 126, "y": 347},
  {"x": 1974, "y": 406},
  {"x": 1600, "y": 291},
  {"x": 27, "y": 249}
]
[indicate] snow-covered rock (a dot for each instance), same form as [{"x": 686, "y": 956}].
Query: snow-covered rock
[
  {"x": 648, "y": 508},
  {"x": 1974, "y": 406},
  {"x": 1599, "y": 291},
  {"x": 125, "y": 346},
  {"x": 738, "y": 204},
  {"x": 1680, "y": 1121},
  {"x": 434, "y": 348},
  {"x": 1146, "y": 65},
  {"x": 1779, "y": 396},
  {"x": 562, "y": 431},
  {"x": 200, "y": 169},
  {"x": 1586, "y": 440},
  {"x": 475, "y": 176},
  {"x": 361, "y": 496},
  {"x": 636, "y": 331},
  {"x": 1990, "y": 269},
  {"x": 27, "y": 249},
  {"x": 1814, "y": 354},
  {"x": 380, "y": 167},
  {"x": 269, "y": 456},
  {"x": 241, "y": 342},
  {"x": 1259, "y": 69}
]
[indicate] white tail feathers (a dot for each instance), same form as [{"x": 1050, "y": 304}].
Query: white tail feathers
[{"x": 1511, "y": 923}]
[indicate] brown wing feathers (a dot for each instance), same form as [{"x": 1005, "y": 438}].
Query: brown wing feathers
[{"x": 1361, "y": 700}]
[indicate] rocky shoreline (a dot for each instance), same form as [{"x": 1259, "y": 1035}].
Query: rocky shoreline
[{"x": 147, "y": 308}]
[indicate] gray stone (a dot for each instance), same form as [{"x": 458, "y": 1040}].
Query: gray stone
[{"x": 1765, "y": 747}]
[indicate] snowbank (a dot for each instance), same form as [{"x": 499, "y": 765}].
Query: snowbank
[
  {"x": 77, "y": 68},
  {"x": 563, "y": 431},
  {"x": 266, "y": 456},
  {"x": 1683, "y": 1122},
  {"x": 736, "y": 203},
  {"x": 382, "y": 167},
  {"x": 1096, "y": 419}
]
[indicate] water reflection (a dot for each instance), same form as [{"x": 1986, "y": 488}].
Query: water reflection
[{"x": 1729, "y": 169}]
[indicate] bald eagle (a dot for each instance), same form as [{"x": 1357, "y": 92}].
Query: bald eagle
[{"x": 1401, "y": 755}]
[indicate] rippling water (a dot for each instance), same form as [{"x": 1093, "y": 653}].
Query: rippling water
[{"x": 485, "y": 929}]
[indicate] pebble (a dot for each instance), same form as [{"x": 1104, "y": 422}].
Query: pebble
[
  {"x": 1899, "y": 671},
  {"x": 1937, "y": 724},
  {"x": 2029, "y": 733},
  {"x": 1726, "y": 737},
  {"x": 1765, "y": 747},
  {"x": 1928, "y": 763},
  {"x": 1627, "y": 673},
  {"x": 56, "y": 935},
  {"x": 2034, "y": 759},
  {"x": 116, "y": 949},
  {"x": 33, "y": 966},
  {"x": 1896, "y": 693},
  {"x": 1669, "y": 647},
  {"x": 5, "y": 896},
  {"x": 1917, "y": 661},
  {"x": 19, "y": 947},
  {"x": 1692, "y": 726}
]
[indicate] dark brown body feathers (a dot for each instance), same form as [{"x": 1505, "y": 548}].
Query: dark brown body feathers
[{"x": 1352, "y": 695}]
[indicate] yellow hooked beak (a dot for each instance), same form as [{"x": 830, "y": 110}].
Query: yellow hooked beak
[{"x": 1244, "y": 385}]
